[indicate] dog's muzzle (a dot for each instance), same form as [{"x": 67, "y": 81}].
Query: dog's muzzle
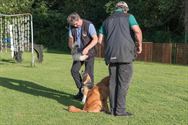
[{"x": 79, "y": 57}]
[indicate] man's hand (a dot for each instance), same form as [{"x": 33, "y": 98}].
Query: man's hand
[
  {"x": 138, "y": 36},
  {"x": 85, "y": 51},
  {"x": 139, "y": 49},
  {"x": 91, "y": 45}
]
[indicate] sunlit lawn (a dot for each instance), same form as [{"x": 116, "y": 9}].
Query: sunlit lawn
[{"x": 40, "y": 95}]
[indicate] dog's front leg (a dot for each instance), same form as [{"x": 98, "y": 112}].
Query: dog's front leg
[
  {"x": 85, "y": 91},
  {"x": 105, "y": 106}
]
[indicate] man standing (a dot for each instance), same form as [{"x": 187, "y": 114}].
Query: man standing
[
  {"x": 120, "y": 51},
  {"x": 83, "y": 33}
]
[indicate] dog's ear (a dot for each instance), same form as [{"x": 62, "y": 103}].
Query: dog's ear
[
  {"x": 106, "y": 81},
  {"x": 86, "y": 78},
  {"x": 75, "y": 45}
]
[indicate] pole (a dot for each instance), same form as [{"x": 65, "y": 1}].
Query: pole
[
  {"x": 32, "y": 44},
  {"x": 11, "y": 41}
]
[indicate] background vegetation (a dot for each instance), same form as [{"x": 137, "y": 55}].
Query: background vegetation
[{"x": 160, "y": 20}]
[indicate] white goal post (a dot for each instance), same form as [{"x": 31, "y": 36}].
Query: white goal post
[{"x": 16, "y": 34}]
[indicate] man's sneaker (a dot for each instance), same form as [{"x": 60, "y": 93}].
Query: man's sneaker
[{"x": 78, "y": 96}]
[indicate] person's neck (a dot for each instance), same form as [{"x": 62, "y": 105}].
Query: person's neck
[
  {"x": 81, "y": 22},
  {"x": 119, "y": 10}
]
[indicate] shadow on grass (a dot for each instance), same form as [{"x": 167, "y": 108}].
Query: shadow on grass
[
  {"x": 2, "y": 61},
  {"x": 38, "y": 90}
]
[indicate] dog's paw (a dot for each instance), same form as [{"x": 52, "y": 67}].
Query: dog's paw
[
  {"x": 71, "y": 108},
  {"x": 79, "y": 57},
  {"x": 75, "y": 45},
  {"x": 83, "y": 57},
  {"x": 84, "y": 99}
]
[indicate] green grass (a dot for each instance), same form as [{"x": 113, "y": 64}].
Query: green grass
[{"x": 40, "y": 95}]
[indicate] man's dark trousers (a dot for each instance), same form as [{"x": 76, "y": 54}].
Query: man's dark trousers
[
  {"x": 89, "y": 68},
  {"x": 120, "y": 77}
]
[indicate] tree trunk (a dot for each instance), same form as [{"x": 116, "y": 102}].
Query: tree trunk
[{"x": 186, "y": 21}]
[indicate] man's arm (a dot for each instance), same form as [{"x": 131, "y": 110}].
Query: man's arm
[
  {"x": 101, "y": 38},
  {"x": 94, "y": 40},
  {"x": 138, "y": 36},
  {"x": 91, "y": 45},
  {"x": 70, "y": 39}
]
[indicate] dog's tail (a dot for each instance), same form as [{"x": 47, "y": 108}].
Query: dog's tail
[{"x": 74, "y": 109}]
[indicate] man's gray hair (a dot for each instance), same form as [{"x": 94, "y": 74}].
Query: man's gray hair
[
  {"x": 123, "y": 5},
  {"x": 72, "y": 18}
]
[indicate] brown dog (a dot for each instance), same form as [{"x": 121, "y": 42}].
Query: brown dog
[{"x": 96, "y": 98}]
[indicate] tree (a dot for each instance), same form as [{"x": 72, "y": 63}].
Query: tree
[
  {"x": 186, "y": 21},
  {"x": 15, "y": 6},
  {"x": 161, "y": 20}
]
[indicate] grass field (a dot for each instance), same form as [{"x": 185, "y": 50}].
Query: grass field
[{"x": 40, "y": 95}]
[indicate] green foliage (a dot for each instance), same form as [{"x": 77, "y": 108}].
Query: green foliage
[
  {"x": 51, "y": 30},
  {"x": 165, "y": 16},
  {"x": 110, "y": 6},
  {"x": 15, "y": 6},
  {"x": 50, "y": 19},
  {"x": 50, "y": 26},
  {"x": 160, "y": 20},
  {"x": 160, "y": 36},
  {"x": 92, "y": 10}
]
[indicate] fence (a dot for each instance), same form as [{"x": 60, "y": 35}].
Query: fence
[
  {"x": 182, "y": 53},
  {"x": 172, "y": 53}
]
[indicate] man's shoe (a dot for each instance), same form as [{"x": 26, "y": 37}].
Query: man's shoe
[
  {"x": 124, "y": 114},
  {"x": 110, "y": 113},
  {"x": 78, "y": 96}
]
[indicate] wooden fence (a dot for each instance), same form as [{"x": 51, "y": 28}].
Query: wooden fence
[
  {"x": 172, "y": 53},
  {"x": 181, "y": 54}
]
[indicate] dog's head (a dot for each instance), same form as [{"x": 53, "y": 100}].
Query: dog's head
[
  {"x": 74, "y": 49},
  {"x": 103, "y": 86},
  {"x": 76, "y": 55},
  {"x": 86, "y": 79},
  {"x": 105, "y": 81}
]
